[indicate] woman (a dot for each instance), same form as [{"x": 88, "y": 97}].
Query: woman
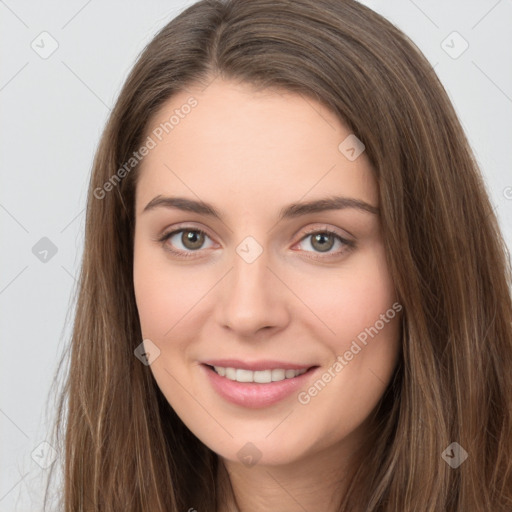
[{"x": 294, "y": 292}]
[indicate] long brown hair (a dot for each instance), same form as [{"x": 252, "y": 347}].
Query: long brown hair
[{"x": 123, "y": 446}]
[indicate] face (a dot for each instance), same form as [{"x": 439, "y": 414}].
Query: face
[{"x": 263, "y": 287}]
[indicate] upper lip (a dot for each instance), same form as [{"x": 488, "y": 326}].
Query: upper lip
[{"x": 257, "y": 365}]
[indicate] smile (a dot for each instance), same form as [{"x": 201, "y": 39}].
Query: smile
[{"x": 256, "y": 388}]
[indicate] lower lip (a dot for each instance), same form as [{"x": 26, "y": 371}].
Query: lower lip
[{"x": 252, "y": 394}]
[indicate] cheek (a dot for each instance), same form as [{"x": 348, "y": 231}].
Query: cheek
[
  {"x": 362, "y": 313},
  {"x": 349, "y": 299},
  {"x": 163, "y": 293},
  {"x": 154, "y": 300}
]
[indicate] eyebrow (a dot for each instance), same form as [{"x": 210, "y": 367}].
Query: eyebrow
[{"x": 290, "y": 211}]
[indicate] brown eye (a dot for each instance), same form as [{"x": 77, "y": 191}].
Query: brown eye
[
  {"x": 184, "y": 242},
  {"x": 192, "y": 239},
  {"x": 322, "y": 241}
]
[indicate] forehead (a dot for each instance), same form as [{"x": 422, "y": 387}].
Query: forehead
[{"x": 234, "y": 145}]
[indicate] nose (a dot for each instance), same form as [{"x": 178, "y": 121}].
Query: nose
[{"x": 252, "y": 298}]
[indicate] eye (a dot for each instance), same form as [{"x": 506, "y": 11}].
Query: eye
[
  {"x": 191, "y": 239},
  {"x": 323, "y": 240}
]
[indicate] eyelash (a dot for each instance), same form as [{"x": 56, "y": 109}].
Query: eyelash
[{"x": 349, "y": 244}]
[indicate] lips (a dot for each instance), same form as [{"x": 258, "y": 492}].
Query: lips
[{"x": 254, "y": 394}]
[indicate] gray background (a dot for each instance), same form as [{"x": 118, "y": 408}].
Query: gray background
[{"x": 53, "y": 111}]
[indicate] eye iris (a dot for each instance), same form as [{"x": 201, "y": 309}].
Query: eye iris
[
  {"x": 192, "y": 239},
  {"x": 319, "y": 237}
]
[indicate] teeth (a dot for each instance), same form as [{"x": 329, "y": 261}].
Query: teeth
[
  {"x": 278, "y": 375},
  {"x": 260, "y": 376}
]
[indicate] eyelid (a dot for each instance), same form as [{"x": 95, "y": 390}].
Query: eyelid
[
  {"x": 324, "y": 228},
  {"x": 182, "y": 227}
]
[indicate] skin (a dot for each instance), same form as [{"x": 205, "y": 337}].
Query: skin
[{"x": 250, "y": 153}]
